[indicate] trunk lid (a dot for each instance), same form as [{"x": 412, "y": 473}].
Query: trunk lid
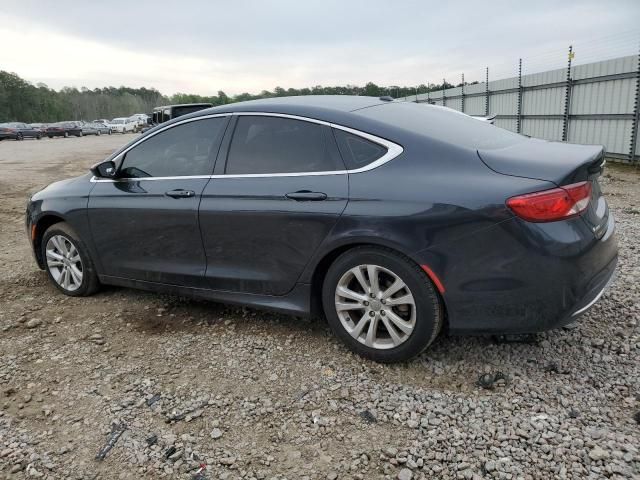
[{"x": 560, "y": 163}]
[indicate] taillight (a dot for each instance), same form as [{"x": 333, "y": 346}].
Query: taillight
[{"x": 551, "y": 205}]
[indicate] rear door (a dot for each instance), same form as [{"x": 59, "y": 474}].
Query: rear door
[
  {"x": 145, "y": 224},
  {"x": 279, "y": 188}
]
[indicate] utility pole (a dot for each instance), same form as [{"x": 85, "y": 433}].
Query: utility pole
[
  {"x": 636, "y": 116},
  {"x": 486, "y": 93},
  {"x": 463, "y": 93},
  {"x": 519, "y": 117},
  {"x": 567, "y": 97},
  {"x": 444, "y": 98}
]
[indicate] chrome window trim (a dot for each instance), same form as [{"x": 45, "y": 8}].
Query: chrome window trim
[{"x": 393, "y": 150}]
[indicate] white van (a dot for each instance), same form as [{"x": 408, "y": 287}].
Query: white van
[{"x": 123, "y": 125}]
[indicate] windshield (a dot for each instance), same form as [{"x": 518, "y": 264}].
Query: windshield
[{"x": 442, "y": 124}]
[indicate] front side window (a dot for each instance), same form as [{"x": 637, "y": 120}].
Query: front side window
[
  {"x": 183, "y": 150},
  {"x": 357, "y": 152},
  {"x": 263, "y": 144}
]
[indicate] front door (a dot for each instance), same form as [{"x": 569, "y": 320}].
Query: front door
[
  {"x": 145, "y": 223},
  {"x": 264, "y": 214}
]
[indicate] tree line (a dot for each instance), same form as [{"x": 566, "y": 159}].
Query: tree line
[{"x": 23, "y": 101}]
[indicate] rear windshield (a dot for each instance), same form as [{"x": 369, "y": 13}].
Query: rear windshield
[{"x": 443, "y": 124}]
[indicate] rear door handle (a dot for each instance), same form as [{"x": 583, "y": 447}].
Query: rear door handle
[
  {"x": 307, "y": 196},
  {"x": 179, "y": 193}
]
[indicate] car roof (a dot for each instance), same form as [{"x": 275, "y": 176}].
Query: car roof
[{"x": 339, "y": 103}]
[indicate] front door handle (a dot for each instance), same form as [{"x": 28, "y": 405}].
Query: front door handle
[
  {"x": 179, "y": 193},
  {"x": 306, "y": 196}
]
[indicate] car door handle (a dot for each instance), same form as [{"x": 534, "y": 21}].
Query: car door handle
[
  {"x": 306, "y": 196},
  {"x": 179, "y": 193}
]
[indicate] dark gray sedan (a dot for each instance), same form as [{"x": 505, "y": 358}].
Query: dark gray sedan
[
  {"x": 18, "y": 131},
  {"x": 395, "y": 220}
]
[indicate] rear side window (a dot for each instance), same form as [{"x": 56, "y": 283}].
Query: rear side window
[
  {"x": 357, "y": 152},
  {"x": 263, "y": 144},
  {"x": 183, "y": 150}
]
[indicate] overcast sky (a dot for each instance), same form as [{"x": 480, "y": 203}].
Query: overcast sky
[{"x": 200, "y": 46}]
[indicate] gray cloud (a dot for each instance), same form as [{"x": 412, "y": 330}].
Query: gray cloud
[{"x": 302, "y": 43}]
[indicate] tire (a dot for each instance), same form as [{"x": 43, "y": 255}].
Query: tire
[
  {"x": 417, "y": 305},
  {"x": 66, "y": 134},
  {"x": 38, "y": 137},
  {"x": 109, "y": 131},
  {"x": 52, "y": 240},
  {"x": 80, "y": 133},
  {"x": 19, "y": 136},
  {"x": 98, "y": 133}
]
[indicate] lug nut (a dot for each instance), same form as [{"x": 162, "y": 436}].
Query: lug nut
[
  {"x": 372, "y": 295},
  {"x": 372, "y": 314},
  {"x": 383, "y": 313},
  {"x": 366, "y": 304}
]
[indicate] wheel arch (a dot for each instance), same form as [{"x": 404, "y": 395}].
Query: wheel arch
[
  {"x": 321, "y": 266},
  {"x": 41, "y": 226}
]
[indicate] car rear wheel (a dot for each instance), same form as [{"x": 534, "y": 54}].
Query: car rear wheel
[
  {"x": 381, "y": 304},
  {"x": 80, "y": 133},
  {"x": 67, "y": 261},
  {"x": 19, "y": 136},
  {"x": 66, "y": 134},
  {"x": 98, "y": 133},
  {"x": 38, "y": 136}
]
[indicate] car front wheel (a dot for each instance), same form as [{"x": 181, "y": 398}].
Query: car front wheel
[
  {"x": 67, "y": 261},
  {"x": 381, "y": 304}
]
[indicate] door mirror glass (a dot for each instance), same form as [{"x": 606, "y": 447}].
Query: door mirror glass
[{"x": 104, "y": 170}]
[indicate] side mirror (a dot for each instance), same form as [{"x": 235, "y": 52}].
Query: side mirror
[{"x": 104, "y": 169}]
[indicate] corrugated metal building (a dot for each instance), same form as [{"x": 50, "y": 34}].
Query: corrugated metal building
[{"x": 596, "y": 103}]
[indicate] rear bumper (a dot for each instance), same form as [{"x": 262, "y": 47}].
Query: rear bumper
[
  {"x": 519, "y": 277},
  {"x": 604, "y": 281}
]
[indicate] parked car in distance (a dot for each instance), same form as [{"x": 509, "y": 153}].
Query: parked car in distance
[
  {"x": 102, "y": 128},
  {"x": 41, "y": 127},
  {"x": 395, "y": 220},
  {"x": 18, "y": 131},
  {"x": 122, "y": 125},
  {"x": 88, "y": 128},
  {"x": 64, "y": 129},
  {"x": 140, "y": 119}
]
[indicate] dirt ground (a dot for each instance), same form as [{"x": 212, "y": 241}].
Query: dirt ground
[{"x": 249, "y": 394}]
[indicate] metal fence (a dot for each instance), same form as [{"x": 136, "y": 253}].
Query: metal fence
[{"x": 594, "y": 103}]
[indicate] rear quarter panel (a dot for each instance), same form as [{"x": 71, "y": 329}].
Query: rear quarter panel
[{"x": 432, "y": 194}]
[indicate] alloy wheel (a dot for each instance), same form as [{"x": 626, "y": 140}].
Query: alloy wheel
[
  {"x": 64, "y": 262},
  {"x": 375, "y": 306}
]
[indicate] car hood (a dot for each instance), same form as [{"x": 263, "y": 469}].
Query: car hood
[{"x": 68, "y": 187}]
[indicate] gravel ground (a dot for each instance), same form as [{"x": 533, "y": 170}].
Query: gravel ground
[{"x": 178, "y": 384}]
